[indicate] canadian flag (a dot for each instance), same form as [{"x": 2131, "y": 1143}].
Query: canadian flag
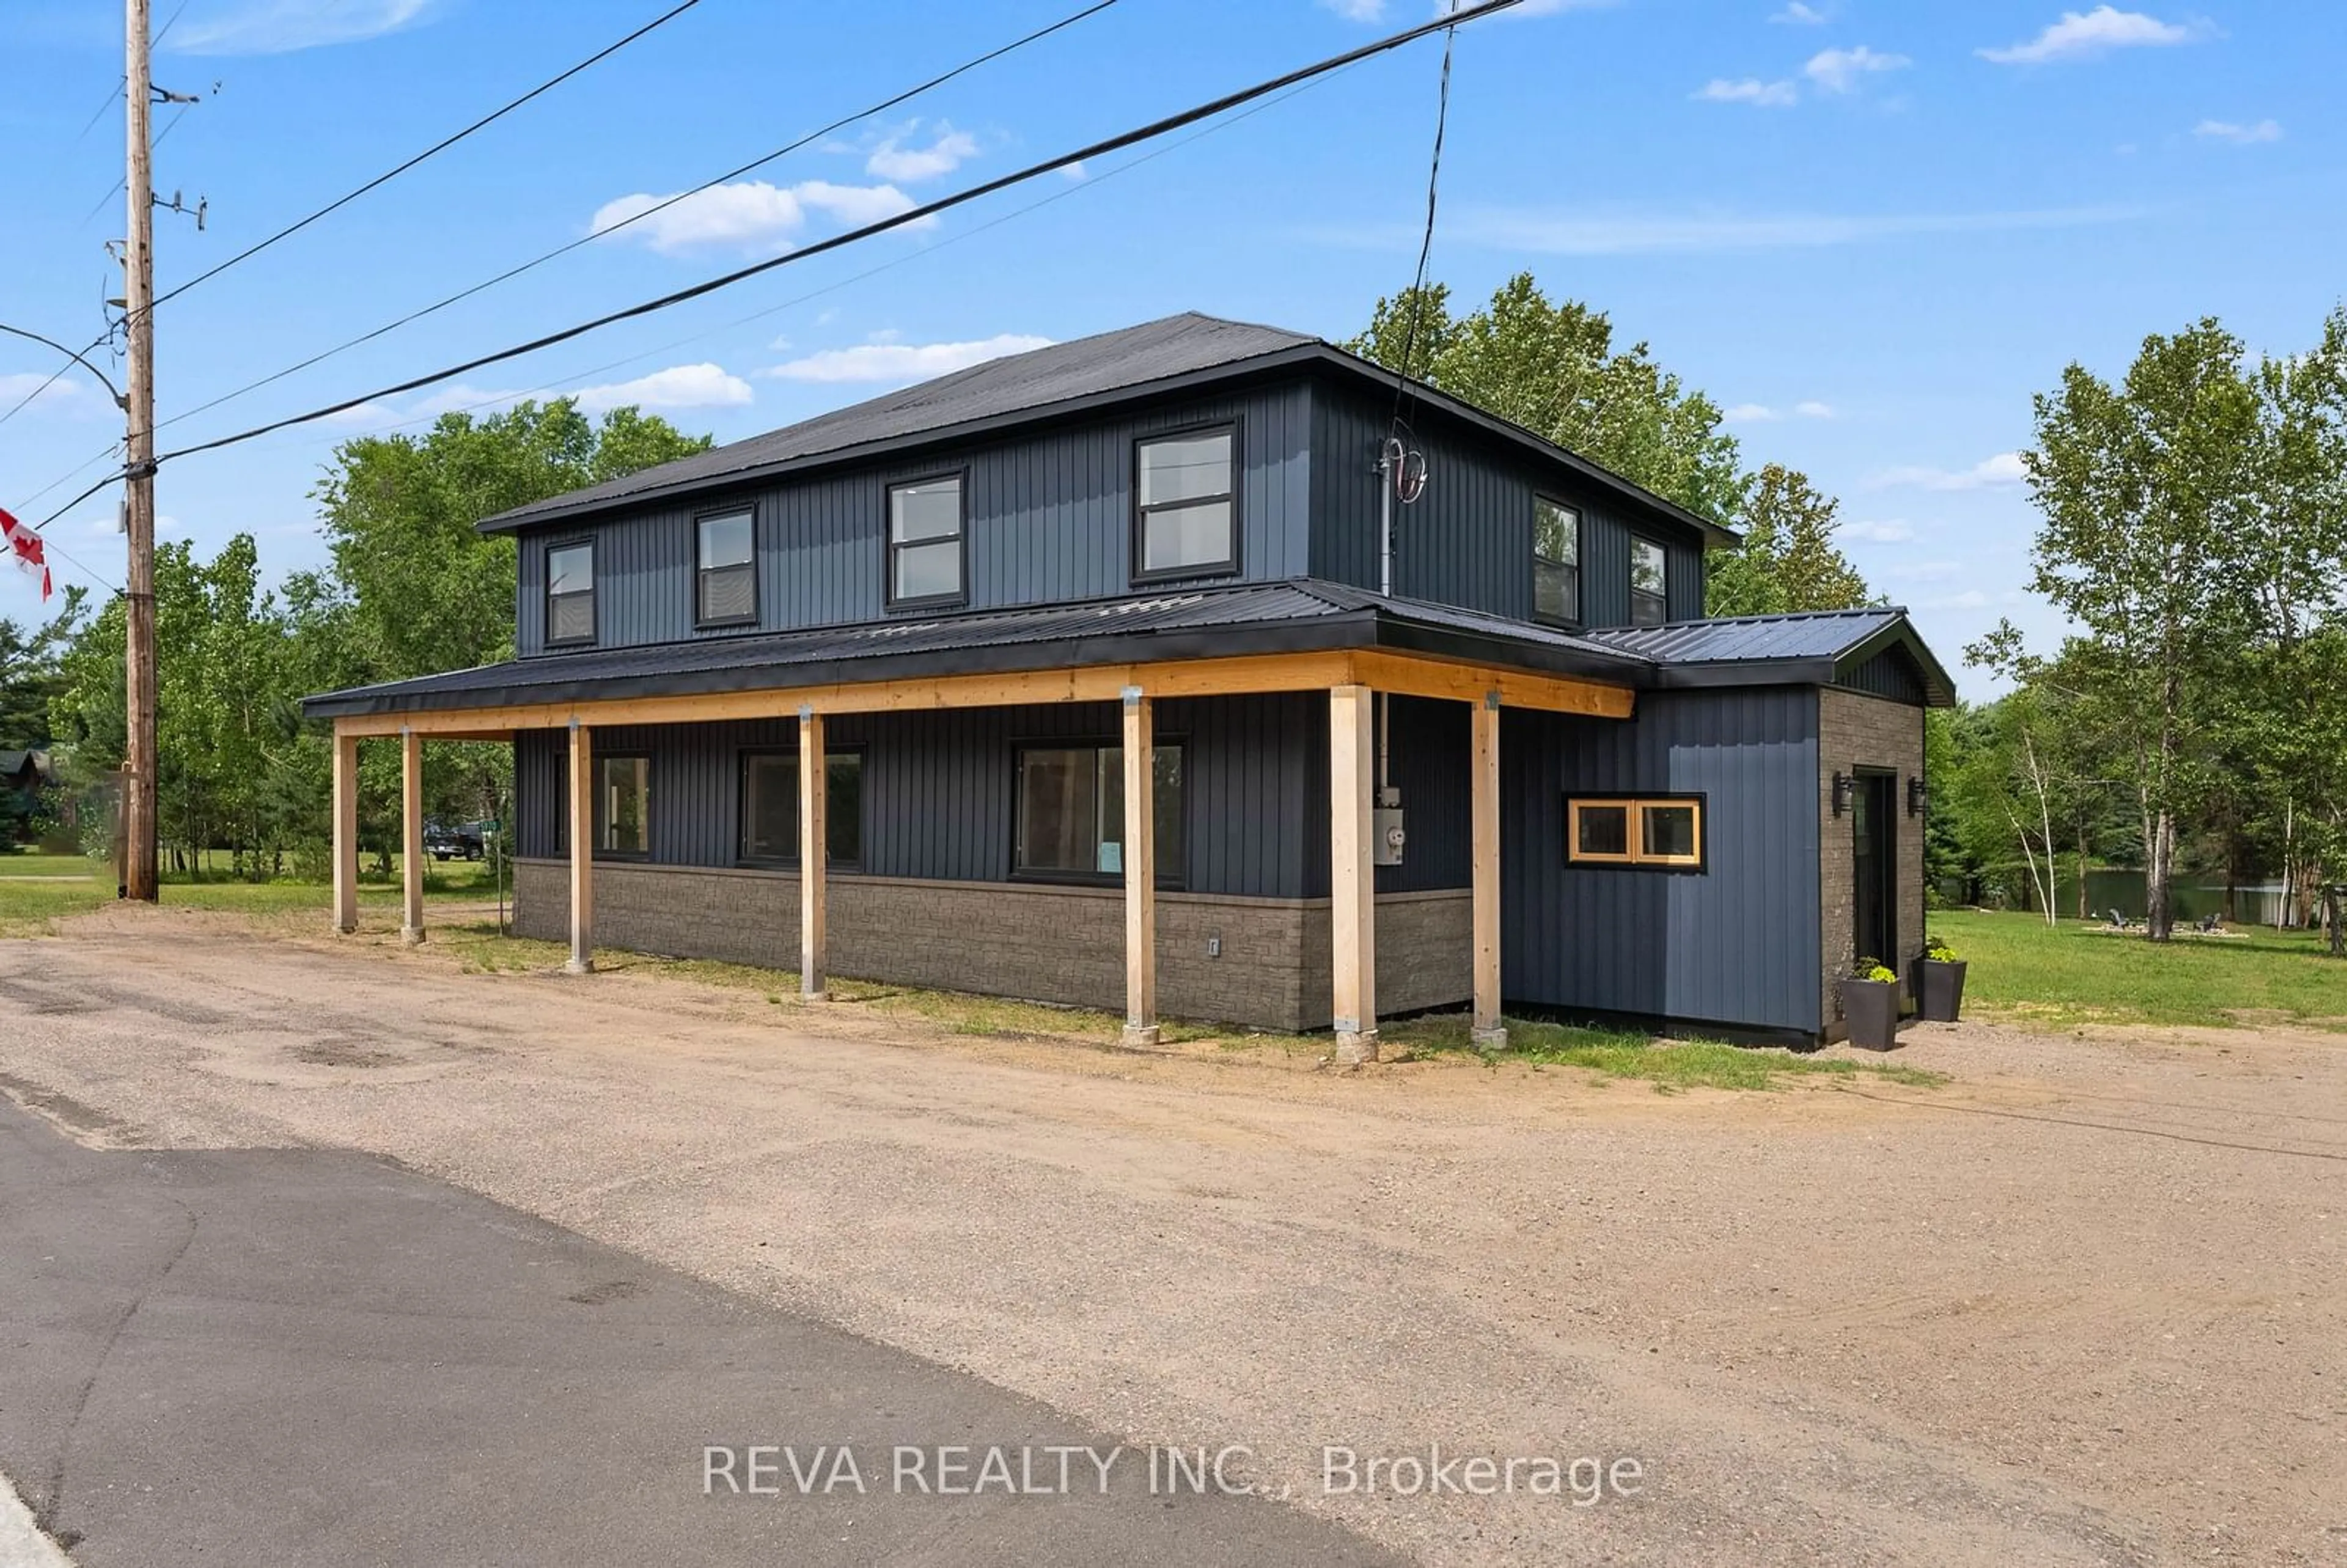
[{"x": 25, "y": 546}]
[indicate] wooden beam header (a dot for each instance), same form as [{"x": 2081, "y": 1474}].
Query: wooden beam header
[{"x": 1405, "y": 674}]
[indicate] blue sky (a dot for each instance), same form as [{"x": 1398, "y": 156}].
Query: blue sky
[{"x": 1871, "y": 230}]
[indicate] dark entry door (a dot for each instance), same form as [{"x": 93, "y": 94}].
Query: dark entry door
[{"x": 1876, "y": 864}]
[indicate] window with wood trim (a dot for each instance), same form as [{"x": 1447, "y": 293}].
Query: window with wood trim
[
  {"x": 1557, "y": 562},
  {"x": 725, "y": 568},
  {"x": 770, "y": 809},
  {"x": 571, "y": 593},
  {"x": 1072, "y": 813},
  {"x": 926, "y": 539},
  {"x": 1653, "y": 831},
  {"x": 1186, "y": 504},
  {"x": 1650, "y": 583}
]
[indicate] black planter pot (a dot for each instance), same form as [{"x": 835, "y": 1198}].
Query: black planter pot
[
  {"x": 1871, "y": 1007},
  {"x": 1939, "y": 990}
]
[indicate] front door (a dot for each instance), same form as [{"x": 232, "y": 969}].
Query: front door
[{"x": 1874, "y": 824}]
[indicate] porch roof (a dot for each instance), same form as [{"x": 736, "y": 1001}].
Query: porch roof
[
  {"x": 1303, "y": 615},
  {"x": 1812, "y": 648}
]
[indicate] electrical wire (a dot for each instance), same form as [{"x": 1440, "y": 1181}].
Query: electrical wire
[
  {"x": 1122, "y": 139},
  {"x": 574, "y": 377},
  {"x": 116, "y": 96},
  {"x": 881, "y": 107},
  {"x": 160, "y": 138},
  {"x": 438, "y": 146},
  {"x": 1402, "y": 387}
]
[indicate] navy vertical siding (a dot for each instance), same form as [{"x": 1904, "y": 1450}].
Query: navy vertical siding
[
  {"x": 1050, "y": 518},
  {"x": 1468, "y": 540},
  {"x": 939, "y": 787},
  {"x": 1736, "y": 943},
  {"x": 1893, "y": 673}
]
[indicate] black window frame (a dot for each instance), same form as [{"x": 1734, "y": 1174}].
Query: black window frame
[
  {"x": 1579, "y": 546},
  {"x": 1173, "y": 879},
  {"x": 1634, "y": 858},
  {"x": 889, "y": 544},
  {"x": 1662, "y": 600},
  {"x": 594, "y": 593},
  {"x": 1229, "y": 565},
  {"x": 792, "y": 862},
  {"x": 701, "y": 568},
  {"x": 600, "y": 823}
]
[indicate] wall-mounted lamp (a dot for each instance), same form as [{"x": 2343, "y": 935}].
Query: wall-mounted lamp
[
  {"x": 1844, "y": 787},
  {"x": 1917, "y": 797}
]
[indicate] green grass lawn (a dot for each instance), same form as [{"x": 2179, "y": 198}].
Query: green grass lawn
[
  {"x": 2022, "y": 971},
  {"x": 1667, "y": 1064},
  {"x": 36, "y": 889}
]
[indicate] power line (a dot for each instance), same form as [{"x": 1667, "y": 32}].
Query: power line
[
  {"x": 1426, "y": 244},
  {"x": 512, "y": 272},
  {"x": 71, "y": 357},
  {"x": 115, "y": 96},
  {"x": 160, "y": 138},
  {"x": 830, "y": 288},
  {"x": 1099, "y": 148},
  {"x": 438, "y": 146}
]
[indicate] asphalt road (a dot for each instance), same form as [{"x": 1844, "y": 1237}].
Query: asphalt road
[{"x": 317, "y": 1356}]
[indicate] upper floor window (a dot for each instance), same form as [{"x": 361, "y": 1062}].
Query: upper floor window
[
  {"x": 571, "y": 593},
  {"x": 725, "y": 570},
  {"x": 925, "y": 536},
  {"x": 1187, "y": 514},
  {"x": 1556, "y": 562},
  {"x": 1650, "y": 577}
]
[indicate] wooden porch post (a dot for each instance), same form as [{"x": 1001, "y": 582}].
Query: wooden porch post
[
  {"x": 1485, "y": 789},
  {"x": 814, "y": 840},
  {"x": 1352, "y": 874},
  {"x": 411, "y": 842},
  {"x": 582, "y": 851},
  {"x": 1140, "y": 870},
  {"x": 346, "y": 831}
]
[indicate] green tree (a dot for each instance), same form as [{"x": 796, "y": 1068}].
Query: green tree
[
  {"x": 30, "y": 674},
  {"x": 2141, "y": 487},
  {"x": 1553, "y": 369},
  {"x": 1788, "y": 560}
]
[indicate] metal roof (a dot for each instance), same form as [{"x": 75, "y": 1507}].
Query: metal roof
[
  {"x": 1188, "y": 623},
  {"x": 1154, "y": 357},
  {"x": 1810, "y": 646}
]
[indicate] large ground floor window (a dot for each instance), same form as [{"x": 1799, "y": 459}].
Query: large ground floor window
[
  {"x": 623, "y": 805},
  {"x": 770, "y": 808},
  {"x": 1072, "y": 812}
]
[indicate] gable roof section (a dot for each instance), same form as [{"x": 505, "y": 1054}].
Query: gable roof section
[
  {"x": 1170, "y": 354},
  {"x": 1821, "y": 648},
  {"x": 1194, "y": 623}
]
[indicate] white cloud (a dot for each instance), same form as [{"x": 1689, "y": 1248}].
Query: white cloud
[
  {"x": 750, "y": 214},
  {"x": 2083, "y": 34},
  {"x": 947, "y": 151},
  {"x": 25, "y": 383},
  {"x": 903, "y": 361},
  {"x": 458, "y": 399},
  {"x": 1580, "y": 233},
  {"x": 679, "y": 386},
  {"x": 1921, "y": 570},
  {"x": 1838, "y": 71},
  {"x": 165, "y": 523},
  {"x": 282, "y": 26},
  {"x": 1749, "y": 90},
  {"x": 2238, "y": 134},
  {"x": 2004, "y": 468},
  {"x": 1357, "y": 10},
  {"x": 1888, "y": 531},
  {"x": 1970, "y": 599},
  {"x": 1799, "y": 16},
  {"x": 1762, "y": 413}
]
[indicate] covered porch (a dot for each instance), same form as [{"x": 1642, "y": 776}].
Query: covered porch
[{"x": 1347, "y": 681}]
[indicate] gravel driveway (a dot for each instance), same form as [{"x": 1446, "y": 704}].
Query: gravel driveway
[{"x": 2084, "y": 1305}]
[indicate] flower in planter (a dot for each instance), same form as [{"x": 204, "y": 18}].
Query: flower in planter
[
  {"x": 1873, "y": 970},
  {"x": 1936, "y": 950}
]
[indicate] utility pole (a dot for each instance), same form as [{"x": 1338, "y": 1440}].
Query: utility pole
[{"x": 138, "y": 868}]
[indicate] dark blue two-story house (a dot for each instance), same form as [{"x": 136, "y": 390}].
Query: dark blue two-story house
[{"x": 1169, "y": 669}]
